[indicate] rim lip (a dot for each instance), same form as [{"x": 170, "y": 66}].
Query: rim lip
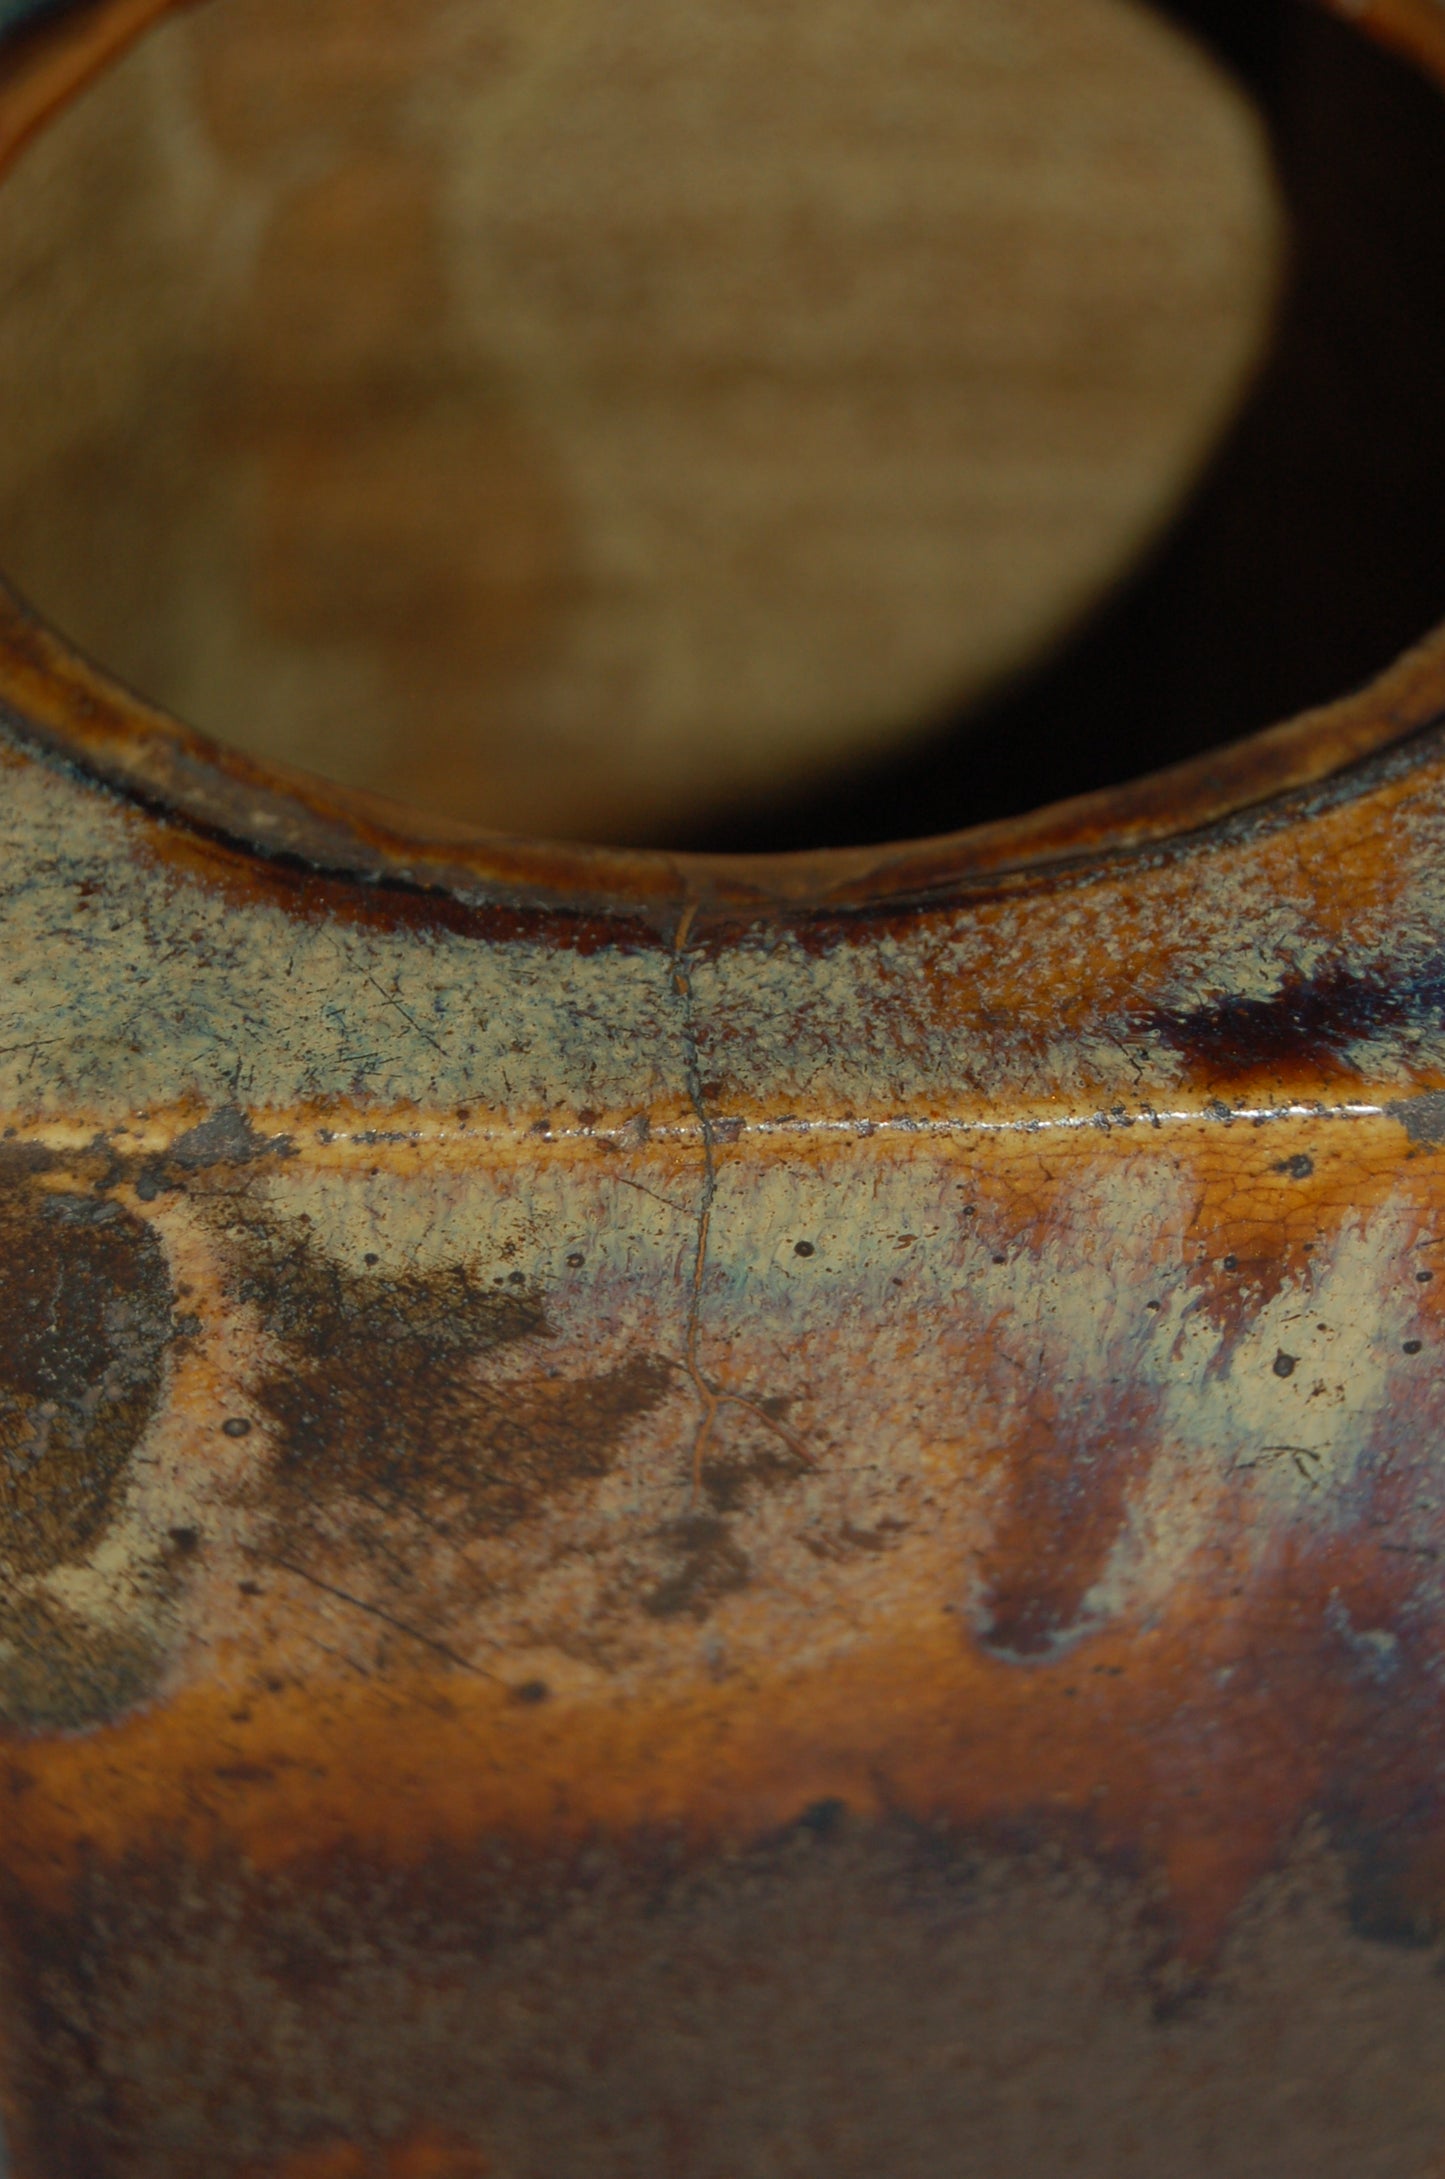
[{"x": 52, "y": 697}]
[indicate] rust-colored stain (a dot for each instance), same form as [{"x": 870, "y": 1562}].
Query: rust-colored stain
[{"x": 697, "y": 1519}]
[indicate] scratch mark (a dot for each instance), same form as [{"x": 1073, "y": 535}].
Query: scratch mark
[
  {"x": 340, "y": 1656},
  {"x": 1131, "y": 1058},
  {"x": 374, "y": 1611},
  {"x": 389, "y": 998},
  {"x": 710, "y": 1397},
  {"x": 1306, "y": 1460},
  {"x": 665, "y": 1200},
  {"x": 29, "y": 1044},
  {"x": 755, "y": 1408},
  {"x": 403, "y": 1505}
]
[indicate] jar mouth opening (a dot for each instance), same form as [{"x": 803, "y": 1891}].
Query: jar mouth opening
[
  {"x": 54, "y": 700},
  {"x": 351, "y": 827}
]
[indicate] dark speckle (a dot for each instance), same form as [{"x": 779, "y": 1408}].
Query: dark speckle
[
  {"x": 1299, "y": 1167},
  {"x": 1412, "y": 1346},
  {"x": 236, "y": 1426},
  {"x": 529, "y": 1694},
  {"x": 186, "y": 1540},
  {"x": 804, "y": 1248},
  {"x": 1154, "y": 1306},
  {"x": 1231, "y": 1263},
  {"x": 575, "y": 1261},
  {"x": 371, "y": 1259},
  {"x": 1000, "y": 1259},
  {"x": 1285, "y": 1365},
  {"x": 1423, "y": 1278}
]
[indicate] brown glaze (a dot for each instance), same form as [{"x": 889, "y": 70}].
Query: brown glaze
[{"x": 703, "y": 1518}]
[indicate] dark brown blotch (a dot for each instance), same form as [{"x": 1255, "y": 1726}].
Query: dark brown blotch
[
  {"x": 732, "y": 1483},
  {"x": 1309, "y": 1022},
  {"x": 62, "y": 1673},
  {"x": 218, "y": 1145},
  {"x": 226, "y": 1138},
  {"x": 709, "y": 1564},
  {"x": 1233, "y": 1295},
  {"x": 380, "y": 1400},
  {"x": 85, "y": 1319},
  {"x": 1070, "y": 1480}
]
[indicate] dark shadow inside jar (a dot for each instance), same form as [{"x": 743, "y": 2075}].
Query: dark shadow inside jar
[
  {"x": 1310, "y": 556},
  {"x": 632, "y": 425}
]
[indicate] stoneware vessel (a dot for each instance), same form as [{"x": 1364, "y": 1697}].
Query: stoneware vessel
[{"x": 718, "y": 1519}]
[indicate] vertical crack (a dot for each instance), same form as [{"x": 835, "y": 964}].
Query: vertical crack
[{"x": 710, "y": 1396}]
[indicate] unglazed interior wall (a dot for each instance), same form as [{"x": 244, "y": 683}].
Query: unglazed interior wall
[{"x": 570, "y": 416}]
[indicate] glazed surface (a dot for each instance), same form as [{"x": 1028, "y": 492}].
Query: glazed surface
[{"x": 683, "y": 1518}]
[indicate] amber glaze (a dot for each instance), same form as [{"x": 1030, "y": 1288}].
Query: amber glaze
[{"x": 709, "y": 1517}]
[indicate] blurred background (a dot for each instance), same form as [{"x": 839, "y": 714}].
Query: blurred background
[{"x": 756, "y": 425}]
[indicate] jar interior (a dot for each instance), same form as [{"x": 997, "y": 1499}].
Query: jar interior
[{"x": 620, "y": 421}]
